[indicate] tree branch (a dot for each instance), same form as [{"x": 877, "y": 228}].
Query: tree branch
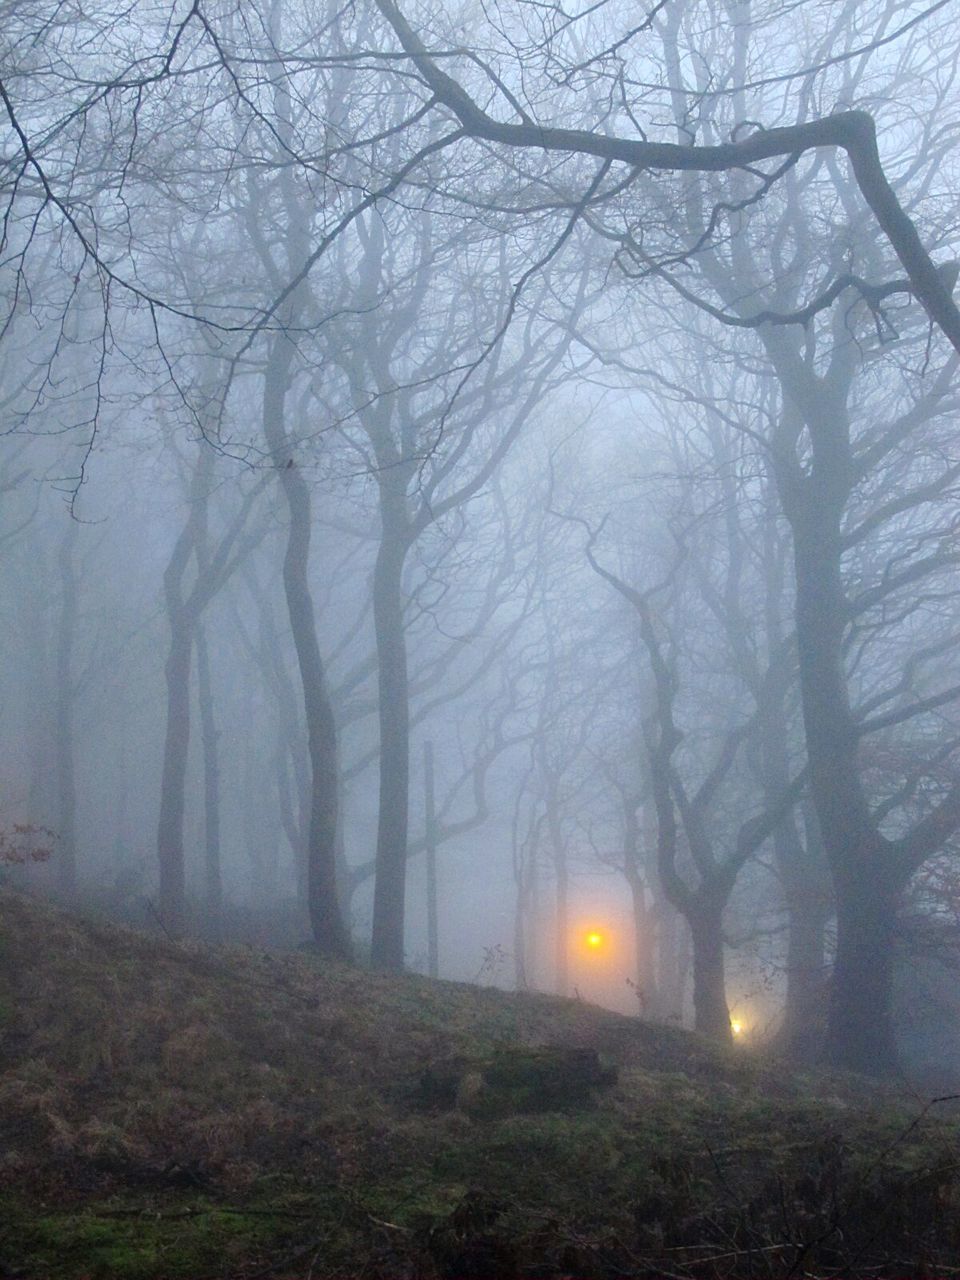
[{"x": 851, "y": 131}]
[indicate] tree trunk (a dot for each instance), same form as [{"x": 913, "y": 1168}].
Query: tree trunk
[
  {"x": 562, "y": 924},
  {"x": 389, "y": 893},
  {"x": 645, "y": 945},
  {"x": 37, "y": 675},
  {"x": 526, "y": 916},
  {"x": 66, "y": 849},
  {"x": 291, "y": 755},
  {"x": 294, "y": 817},
  {"x": 797, "y": 847},
  {"x": 809, "y": 901},
  {"x": 859, "y": 1033},
  {"x": 558, "y": 853},
  {"x": 520, "y": 971},
  {"x": 261, "y": 832},
  {"x": 673, "y": 961},
  {"x": 644, "y": 919},
  {"x": 805, "y": 1003},
  {"x": 182, "y": 620},
  {"x": 430, "y": 829},
  {"x": 173, "y": 780},
  {"x": 184, "y": 611},
  {"x": 711, "y": 1014},
  {"x": 213, "y": 881},
  {"x": 329, "y": 929},
  {"x": 121, "y": 843}
]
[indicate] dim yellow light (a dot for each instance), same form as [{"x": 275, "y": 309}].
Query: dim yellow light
[
  {"x": 736, "y": 1027},
  {"x": 594, "y": 940}
]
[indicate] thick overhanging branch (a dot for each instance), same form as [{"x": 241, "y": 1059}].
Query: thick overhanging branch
[
  {"x": 851, "y": 131},
  {"x": 873, "y": 295}
]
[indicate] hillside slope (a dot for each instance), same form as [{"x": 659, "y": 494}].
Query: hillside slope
[{"x": 174, "y": 1110}]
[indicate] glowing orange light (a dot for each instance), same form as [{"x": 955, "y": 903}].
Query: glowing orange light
[
  {"x": 594, "y": 940},
  {"x": 736, "y": 1027}
]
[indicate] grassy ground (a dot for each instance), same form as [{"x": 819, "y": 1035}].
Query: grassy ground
[{"x": 180, "y": 1111}]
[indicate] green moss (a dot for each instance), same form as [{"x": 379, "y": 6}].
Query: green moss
[{"x": 125, "y": 1239}]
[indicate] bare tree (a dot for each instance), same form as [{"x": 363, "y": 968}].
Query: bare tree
[{"x": 185, "y": 605}]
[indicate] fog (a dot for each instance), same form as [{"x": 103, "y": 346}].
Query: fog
[{"x": 479, "y": 496}]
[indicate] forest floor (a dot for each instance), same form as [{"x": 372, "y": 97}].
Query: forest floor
[{"x": 174, "y": 1110}]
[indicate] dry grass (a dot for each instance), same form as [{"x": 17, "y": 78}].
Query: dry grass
[{"x": 261, "y": 1110}]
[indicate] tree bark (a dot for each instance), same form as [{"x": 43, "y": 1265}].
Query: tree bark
[
  {"x": 182, "y": 620},
  {"x": 291, "y": 755},
  {"x": 525, "y": 906},
  {"x": 798, "y": 851},
  {"x": 430, "y": 829},
  {"x": 329, "y": 929},
  {"x": 644, "y": 919},
  {"x": 173, "y": 777},
  {"x": 389, "y": 903},
  {"x": 711, "y": 1013},
  {"x": 521, "y": 967},
  {"x": 673, "y": 961},
  {"x": 562, "y": 942},
  {"x": 806, "y": 965},
  {"x": 645, "y": 945},
  {"x": 859, "y": 1032},
  {"x": 562, "y": 901},
  {"x": 66, "y": 849},
  {"x": 213, "y": 880},
  {"x": 808, "y": 897}
]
